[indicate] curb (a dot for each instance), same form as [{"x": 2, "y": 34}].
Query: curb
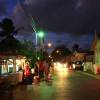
[{"x": 96, "y": 76}]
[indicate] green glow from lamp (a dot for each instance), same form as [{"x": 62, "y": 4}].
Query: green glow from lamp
[{"x": 41, "y": 34}]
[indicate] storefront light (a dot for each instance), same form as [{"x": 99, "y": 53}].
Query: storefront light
[{"x": 18, "y": 62}]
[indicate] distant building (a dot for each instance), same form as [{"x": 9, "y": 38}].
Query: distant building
[
  {"x": 96, "y": 49},
  {"x": 89, "y": 62}
]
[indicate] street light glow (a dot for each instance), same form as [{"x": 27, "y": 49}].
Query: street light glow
[
  {"x": 49, "y": 44},
  {"x": 41, "y": 34}
]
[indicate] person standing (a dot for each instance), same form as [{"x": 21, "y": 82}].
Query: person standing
[
  {"x": 41, "y": 69},
  {"x": 27, "y": 74},
  {"x": 27, "y": 70},
  {"x": 46, "y": 70}
]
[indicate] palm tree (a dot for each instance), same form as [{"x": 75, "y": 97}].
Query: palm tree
[
  {"x": 7, "y": 28},
  {"x": 9, "y": 43},
  {"x": 75, "y": 47}
]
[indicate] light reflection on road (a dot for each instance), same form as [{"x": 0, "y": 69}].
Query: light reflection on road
[
  {"x": 61, "y": 84},
  {"x": 61, "y": 69},
  {"x": 54, "y": 90}
]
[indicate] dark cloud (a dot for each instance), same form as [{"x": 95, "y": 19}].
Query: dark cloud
[
  {"x": 98, "y": 16},
  {"x": 3, "y": 6},
  {"x": 74, "y": 16},
  {"x": 21, "y": 19}
]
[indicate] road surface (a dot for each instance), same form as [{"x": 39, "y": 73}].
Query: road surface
[{"x": 66, "y": 85}]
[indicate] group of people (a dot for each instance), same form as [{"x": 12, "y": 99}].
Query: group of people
[{"x": 41, "y": 72}]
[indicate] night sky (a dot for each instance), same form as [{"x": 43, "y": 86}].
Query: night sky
[{"x": 67, "y": 21}]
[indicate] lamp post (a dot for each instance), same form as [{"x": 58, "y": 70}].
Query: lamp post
[
  {"x": 41, "y": 37},
  {"x": 38, "y": 35},
  {"x": 35, "y": 30}
]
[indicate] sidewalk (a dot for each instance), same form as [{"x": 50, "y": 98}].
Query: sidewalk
[{"x": 96, "y": 76}]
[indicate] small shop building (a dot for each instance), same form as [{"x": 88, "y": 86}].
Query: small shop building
[{"x": 10, "y": 63}]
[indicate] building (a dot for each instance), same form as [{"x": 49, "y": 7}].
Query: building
[
  {"x": 96, "y": 49},
  {"x": 10, "y": 62},
  {"x": 89, "y": 62}
]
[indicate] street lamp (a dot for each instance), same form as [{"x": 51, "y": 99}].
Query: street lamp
[
  {"x": 41, "y": 34},
  {"x": 38, "y": 35},
  {"x": 41, "y": 37},
  {"x": 49, "y": 44},
  {"x": 57, "y": 51}
]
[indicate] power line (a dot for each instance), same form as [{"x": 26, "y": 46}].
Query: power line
[
  {"x": 29, "y": 16},
  {"x": 31, "y": 20}
]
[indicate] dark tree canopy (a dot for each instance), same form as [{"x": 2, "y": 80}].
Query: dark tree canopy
[
  {"x": 60, "y": 51},
  {"x": 75, "y": 47},
  {"x": 7, "y": 27},
  {"x": 9, "y": 42}
]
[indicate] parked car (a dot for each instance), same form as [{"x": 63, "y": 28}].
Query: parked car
[{"x": 78, "y": 65}]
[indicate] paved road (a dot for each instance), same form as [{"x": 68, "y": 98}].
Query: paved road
[{"x": 70, "y": 85}]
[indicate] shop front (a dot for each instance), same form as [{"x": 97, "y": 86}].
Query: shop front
[{"x": 9, "y": 67}]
